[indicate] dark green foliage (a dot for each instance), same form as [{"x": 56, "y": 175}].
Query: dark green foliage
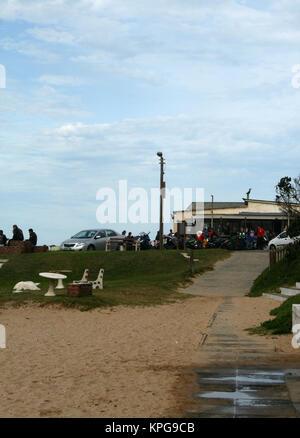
[
  {"x": 294, "y": 228},
  {"x": 293, "y": 251},
  {"x": 288, "y": 198}
]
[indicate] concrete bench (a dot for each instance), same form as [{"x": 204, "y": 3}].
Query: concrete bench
[{"x": 96, "y": 284}]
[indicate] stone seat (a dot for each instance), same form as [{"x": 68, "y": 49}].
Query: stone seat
[{"x": 21, "y": 247}]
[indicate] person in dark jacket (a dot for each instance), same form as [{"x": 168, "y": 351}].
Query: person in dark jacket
[
  {"x": 3, "y": 238},
  {"x": 17, "y": 233},
  {"x": 32, "y": 237}
]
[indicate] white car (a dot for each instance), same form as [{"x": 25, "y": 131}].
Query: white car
[{"x": 281, "y": 240}]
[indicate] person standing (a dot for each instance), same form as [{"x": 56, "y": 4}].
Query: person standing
[
  {"x": 260, "y": 237},
  {"x": 32, "y": 237},
  {"x": 200, "y": 237},
  {"x": 211, "y": 233},
  {"x": 250, "y": 239},
  {"x": 242, "y": 239}
]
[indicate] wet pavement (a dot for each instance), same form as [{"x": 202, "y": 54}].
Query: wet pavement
[
  {"x": 238, "y": 378},
  {"x": 243, "y": 392},
  {"x": 239, "y": 375}
]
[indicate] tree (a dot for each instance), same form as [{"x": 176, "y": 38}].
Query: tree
[{"x": 288, "y": 198}]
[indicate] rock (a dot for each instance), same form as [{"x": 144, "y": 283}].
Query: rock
[{"x": 25, "y": 285}]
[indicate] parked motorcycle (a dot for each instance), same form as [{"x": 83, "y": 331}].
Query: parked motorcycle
[
  {"x": 192, "y": 243},
  {"x": 169, "y": 242}
]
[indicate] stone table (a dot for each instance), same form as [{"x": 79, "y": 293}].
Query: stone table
[
  {"x": 60, "y": 284},
  {"x": 52, "y": 276}
]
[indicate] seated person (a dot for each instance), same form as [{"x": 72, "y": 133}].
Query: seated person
[
  {"x": 3, "y": 238},
  {"x": 129, "y": 241},
  {"x": 17, "y": 234},
  {"x": 32, "y": 237}
]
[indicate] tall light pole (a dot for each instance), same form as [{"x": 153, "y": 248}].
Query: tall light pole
[
  {"x": 288, "y": 213},
  {"x": 212, "y": 212},
  {"x": 162, "y": 189}
]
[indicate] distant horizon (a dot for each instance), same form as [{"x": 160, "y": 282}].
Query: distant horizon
[{"x": 134, "y": 228}]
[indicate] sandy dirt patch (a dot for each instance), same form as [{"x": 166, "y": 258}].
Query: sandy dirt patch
[
  {"x": 126, "y": 362},
  {"x": 122, "y": 362},
  {"x": 251, "y": 312}
]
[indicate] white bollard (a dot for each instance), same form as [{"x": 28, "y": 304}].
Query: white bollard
[
  {"x": 2, "y": 336},
  {"x": 296, "y": 314}
]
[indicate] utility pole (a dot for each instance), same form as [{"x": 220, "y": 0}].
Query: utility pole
[
  {"x": 162, "y": 195},
  {"x": 212, "y": 212},
  {"x": 288, "y": 215}
]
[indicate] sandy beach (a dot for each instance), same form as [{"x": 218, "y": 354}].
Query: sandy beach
[{"x": 120, "y": 362}]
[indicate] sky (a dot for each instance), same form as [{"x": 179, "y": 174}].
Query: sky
[{"x": 94, "y": 88}]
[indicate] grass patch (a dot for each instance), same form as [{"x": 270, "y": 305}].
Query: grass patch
[
  {"x": 284, "y": 273},
  {"x": 282, "y": 323},
  {"x": 258, "y": 331},
  {"x": 130, "y": 278}
]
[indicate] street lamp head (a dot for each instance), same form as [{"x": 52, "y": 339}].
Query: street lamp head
[{"x": 159, "y": 154}]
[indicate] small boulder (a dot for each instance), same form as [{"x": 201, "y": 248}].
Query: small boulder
[{"x": 25, "y": 285}]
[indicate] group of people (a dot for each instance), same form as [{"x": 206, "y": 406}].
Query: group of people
[
  {"x": 261, "y": 236},
  {"x": 128, "y": 239},
  {"x": 18, "y": 236},
  {"x": 128, "y": 236},
  {"x": 246, "y": 237}
]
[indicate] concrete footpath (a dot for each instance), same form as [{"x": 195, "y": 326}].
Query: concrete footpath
[
  {"x": 231, "y": 277},
  {"x": 239, "y": 375}
]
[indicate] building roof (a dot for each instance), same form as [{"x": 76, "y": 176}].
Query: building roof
[
  {"x": 216, "y": 205},
  {"x": 198, "y": 206}
]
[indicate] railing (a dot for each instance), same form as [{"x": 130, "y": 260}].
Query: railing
[{"x": 276, "y": 255}]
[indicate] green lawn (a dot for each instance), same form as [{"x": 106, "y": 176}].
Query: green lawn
[
  {"x": 284, "y": 273},
  {"x": 130, "y": 278},
  {"x": 282, "y": 323}
]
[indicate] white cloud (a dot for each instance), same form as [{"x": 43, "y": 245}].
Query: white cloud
[
  {"x": 224, "y": 64},
  {"x": 61, "y": 80},
  {"x": 28, "y": 48},
  {"x": 51, "y": 35},
  {"x": 43, "y": 105}
]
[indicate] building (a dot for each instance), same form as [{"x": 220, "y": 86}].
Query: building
[{"x": 228, "y": 217}]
